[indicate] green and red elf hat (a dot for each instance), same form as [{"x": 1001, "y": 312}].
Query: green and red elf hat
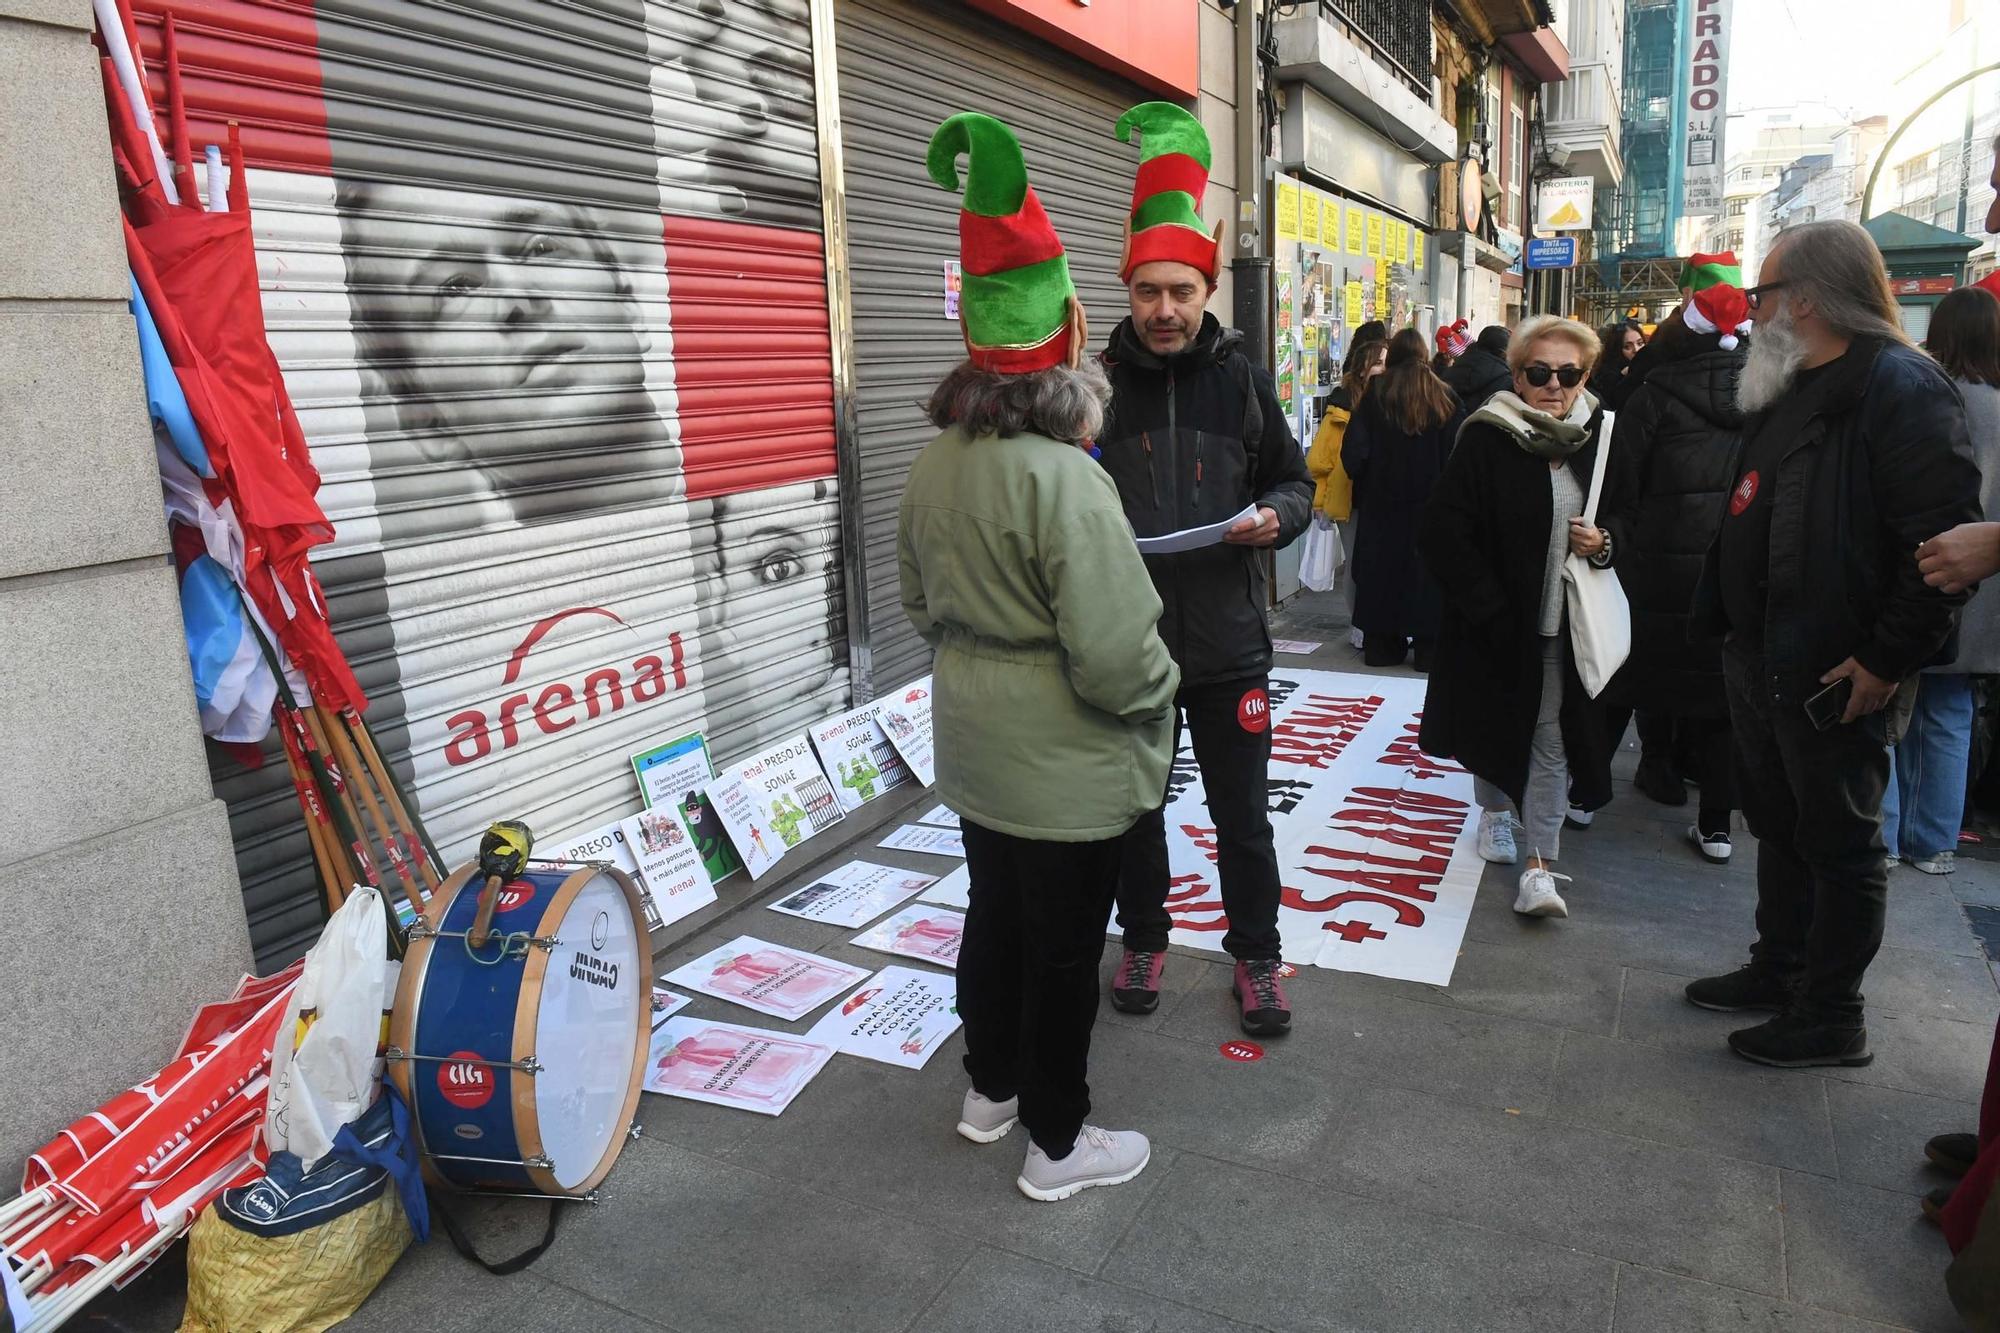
[
  {"x": 1716, "y": 303},
  {"x": 1166, "y": 200},
  {"x": 1018, "y": 307}
]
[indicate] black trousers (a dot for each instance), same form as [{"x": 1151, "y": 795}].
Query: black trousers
[
  {"x": 1027, "y": 974},
  {"x": 1232, "y": 745},
  {"x": 1814, "y": 801}
]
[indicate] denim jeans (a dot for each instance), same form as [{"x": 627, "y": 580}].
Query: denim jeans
[
  {"x": 1926, "y": 798},
  {"x": 1546, "y": 799}
]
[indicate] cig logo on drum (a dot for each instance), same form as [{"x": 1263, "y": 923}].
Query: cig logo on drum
[
  {"x": 518, "y": 894},
  {"x": 464, "y": 1082}
]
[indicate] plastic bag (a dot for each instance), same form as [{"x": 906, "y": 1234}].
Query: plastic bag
[
  {"x": 1319, "y": 558},
  {"x": 324, "y": 1070}
]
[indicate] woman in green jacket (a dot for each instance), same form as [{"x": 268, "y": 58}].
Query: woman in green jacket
[{"x": 1052, "y": 693}]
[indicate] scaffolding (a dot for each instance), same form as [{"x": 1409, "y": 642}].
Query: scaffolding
[{"x": 1644, "y": 288}]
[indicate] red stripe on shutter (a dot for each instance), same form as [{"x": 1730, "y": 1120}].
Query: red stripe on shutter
[{"x": 254, "y": 63}]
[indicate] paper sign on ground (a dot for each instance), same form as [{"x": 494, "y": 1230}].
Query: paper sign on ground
[
  {"x": 928, "y": 934},
  {"x": 853, "y": 895},
  {"x": 669, "y": 773},
  {"x": 670, "y": 869},
  {"x": 747, "y": 1068},
  {"x": 906, "y": 717},
  {"x": 1299, "y": 647},
  {"x": 666, "y": 1004},
  {"x": 773, "y": 802},
  {"x": 941, "y": 817},
  {"x": 768, "y": 978},
  {"x": 900, "y": 1016},
  {"x": 1376, "y": 841},
  {"x": 922, "y": 838},
  {"x": 609, "y": 844},
  {"x": 954, "y": 890},
  {"x": 856, "y": 754},
  {"x": 1191, "y": 539}
]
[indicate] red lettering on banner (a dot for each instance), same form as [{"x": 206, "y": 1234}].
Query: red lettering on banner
[
  {"x": 1435, "y": 844},
  {"x": 1203, "y": 839},
  {"x": 1356, "y": 931},
  {"x": 1407, "y": 751},
  {"x": 1427, "y": 865},
  {"x": 1387, "y": 817},
  {"x": 1409, "y": 886},
  {"x": 1188, "y": 894},
  {"x": 1314, "y": 734}
]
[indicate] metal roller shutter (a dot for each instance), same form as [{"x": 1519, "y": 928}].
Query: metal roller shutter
[
  {"x": 547, "y": 281},
  {"x": 903, "y": 68}
]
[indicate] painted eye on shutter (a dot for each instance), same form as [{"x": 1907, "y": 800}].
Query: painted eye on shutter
[{"x": 779, "y": 568}]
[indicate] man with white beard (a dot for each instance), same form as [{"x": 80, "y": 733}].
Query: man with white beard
[{"x": 1854, "y": 452}]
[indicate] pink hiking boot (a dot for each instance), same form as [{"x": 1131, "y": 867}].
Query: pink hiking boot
[
  {"x": 1135, "y": 987},
  {"x": 1262, "y": 998}
]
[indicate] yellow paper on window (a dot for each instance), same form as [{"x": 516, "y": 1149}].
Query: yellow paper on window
[
  {"x": 1355, "y": 312},
  {"x": 1288, "y": 211},
  {"x": 1374, "y": 235},
  {"x": 1382, "y": 292},
  {"x": 1403, "y": 243},
  {"x": 1329, "y": 224},
  {"x": 1417, "y": 249},
  {"x": 1354, "y": 226},
  {"x": 1309, "y": 220}
]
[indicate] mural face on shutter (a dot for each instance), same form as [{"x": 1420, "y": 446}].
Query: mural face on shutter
[{"x": 548, "y": 286}]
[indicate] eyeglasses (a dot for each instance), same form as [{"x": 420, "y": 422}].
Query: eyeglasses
[
  {"x": 1754, "y": 296},
  {"x": 1567, "y": 376}
]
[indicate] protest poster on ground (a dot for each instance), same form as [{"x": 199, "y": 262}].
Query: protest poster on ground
[
  {"x": 940, "y": 816},
  {"x": 857, "y": 757},
  {"x": 900, "y": 1016},
  {"x": 853, "y": 895},
  {"x": 609, "y": 846},
  {"x": 928, "y": 934},
  {"x": 670, "y": 869},
  {"x": 923, "y": 838},
  {"x": 906, "y": 717},
  {"x": 1296, "y": 647},
  {"x": 1376, "y": 841},
  {"x": 666, "y": 1004},
  {"x": 668, "y": 773},
  {"x": 768, "y": 978},
  {"x": 711, "y": 839},
  {"x": 773, "y": 802},
  {"x": 725, "y": 1065},
  {"x": 954, "y": 890}
]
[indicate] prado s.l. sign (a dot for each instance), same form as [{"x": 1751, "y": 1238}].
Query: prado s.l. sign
[{"x": 1702, "y": 110}]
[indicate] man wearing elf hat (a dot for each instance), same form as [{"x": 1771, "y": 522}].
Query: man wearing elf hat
[
  {"x": 1854, "y": 453},
  {"x": 1196, "y": 436}
]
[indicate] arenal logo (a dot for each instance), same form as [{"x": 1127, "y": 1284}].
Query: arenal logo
[{"x": 554, "y": 706}]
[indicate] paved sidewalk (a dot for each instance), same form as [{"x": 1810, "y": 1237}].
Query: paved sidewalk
[{"x": 1555, "y": 1142}]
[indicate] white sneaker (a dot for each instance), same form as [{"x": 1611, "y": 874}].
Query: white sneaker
[
  {"x": 985, "y": 1121},
  {"x": 1100, "y": 1157},
  {"x": 1354, "y": 639},
  {"x": 1713, "y": 846},
  {"x": 1496, "y": 838},
  {"x": 1538, "y": 896},
  {"x": 1944, "y": 863}
]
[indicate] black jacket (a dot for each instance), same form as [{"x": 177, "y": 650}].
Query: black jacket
[
  {"x": 1673, "y": 462},
  {"x": 1174, "y": 442},
  {"x": 1478, "y": 375},
  {"x": 1876, "y": 462},
  {"x": 1394, "y": 474},
  {"x": 1485, "y": 539}
]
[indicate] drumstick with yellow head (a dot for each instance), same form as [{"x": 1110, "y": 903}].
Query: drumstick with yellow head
[{"x": 502, "y": 854}]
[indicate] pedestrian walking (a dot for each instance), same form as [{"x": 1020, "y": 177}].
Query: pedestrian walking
[
  {"x": 1673, "y": 462},
  {"x": 1051, "y": 689},
  {"x": 1395, "y": 451},
  {"x": 1924, "y": 806},
  {"x": 1333, "y": 489},
  {"x": 1504, "y": 697},
  {"x": 1619, "y": 344},
  {"x": 1854, "y": 452},
  {"x": 1196, "y": 436},
  {"x": 1481, "y": 369}
]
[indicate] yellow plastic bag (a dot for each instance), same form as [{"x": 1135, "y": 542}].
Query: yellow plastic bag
[{"x": 303, "y": 1283}]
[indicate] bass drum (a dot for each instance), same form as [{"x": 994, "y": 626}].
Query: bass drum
[{"x": 521, "y": 1060}]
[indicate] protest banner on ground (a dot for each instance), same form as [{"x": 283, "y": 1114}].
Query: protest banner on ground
[
  {"x": 923, "y": 838},
  {"x": 928, "y": 934},
  {"x": 900, "y": 1016},
  {"x": 670, "y": 868},
  {"x": 666, "y": 1004},
  {"x": 1376, "y": 840},
  {"x": 768, "y": 978},
  {"x": 954, "y": 890},
  {"x": 906, "y": 717},
  {"x": 774, "y": 801},
  {"x": 856, "y": 754},
  {"x": 725, "y": 1065},
  {"x": 853, "y": 895},
  {"x": 941, "y": 816}
]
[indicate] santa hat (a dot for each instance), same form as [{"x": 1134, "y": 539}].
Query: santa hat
[
  {"x": 1166, "y": 200},
  {"x": 1018, "y": 307},
  {"x": 1453, "y": 339},
  {"x": 1716, "y": 303},
  {"x": 1991, "y": 282}
]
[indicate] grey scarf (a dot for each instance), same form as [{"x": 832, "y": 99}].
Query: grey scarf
[{"x": 1537, "y": 432}]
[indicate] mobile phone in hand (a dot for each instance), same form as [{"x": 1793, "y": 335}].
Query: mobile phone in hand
[{"x": 1826, "y": 708}]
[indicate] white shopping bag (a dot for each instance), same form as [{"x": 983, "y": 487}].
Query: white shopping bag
[
  {"x": 324, "y": 1070},
  {"x": 1319, "y": 558},
  {"x": 1600, "y": 619}
]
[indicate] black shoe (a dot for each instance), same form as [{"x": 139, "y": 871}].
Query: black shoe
[
  {"x": 1953, "y": 1152},
  {"x": 1656, "y": 778},
  {"x": 1748, "y": 989},
  {"x": 1792, "y": 1042},
  {"x": 1934, "y": 1202}
]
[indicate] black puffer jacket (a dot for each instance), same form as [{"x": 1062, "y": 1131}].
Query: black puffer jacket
[
  {"x": 1478, "y": 375},
  {"x": 1673, "y": 461},
  {"x": 1174, "y": 442}
]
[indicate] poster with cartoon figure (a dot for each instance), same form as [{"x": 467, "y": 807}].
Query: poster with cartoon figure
[
  {"x": 773, "y": 802},
  {"x": 853, "y": 895},
  {"x": 906, "y": 718},
  {"x": 857, "y": 755},
  {"x": 670, "y": 868}
]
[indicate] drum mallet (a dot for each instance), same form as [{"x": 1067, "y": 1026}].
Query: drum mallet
[{"x": 502, "y": 854}]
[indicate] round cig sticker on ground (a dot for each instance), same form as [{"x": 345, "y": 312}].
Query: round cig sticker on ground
[
  {"x": 1243, "y": 1052},
  {"x": 1286, "y": 971}
]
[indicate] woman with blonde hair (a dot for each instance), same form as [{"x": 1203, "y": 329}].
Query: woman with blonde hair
[{"x": 1504, "y": 697}]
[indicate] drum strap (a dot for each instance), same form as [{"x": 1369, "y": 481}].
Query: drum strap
[{"x": 505, "y": 1267}]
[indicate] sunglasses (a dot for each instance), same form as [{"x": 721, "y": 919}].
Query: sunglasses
[
  {"x": 1754, "y": 296},
  {"x": 1567, "y": 376}
]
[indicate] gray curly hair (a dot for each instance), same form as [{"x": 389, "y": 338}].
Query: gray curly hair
[{"x": 1062, "y": 403}]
